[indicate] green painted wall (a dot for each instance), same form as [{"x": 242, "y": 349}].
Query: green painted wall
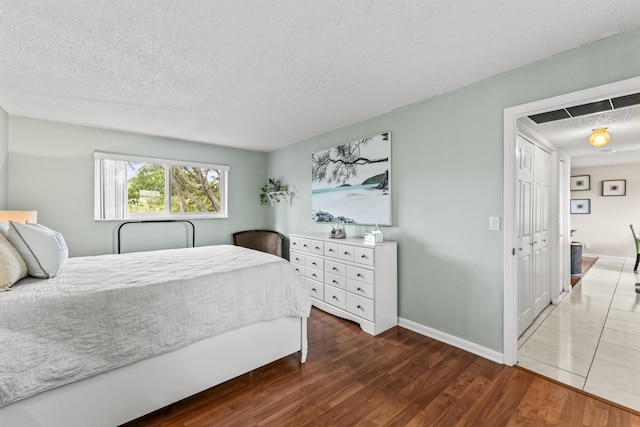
[
  {"x": 51, "y": 170},
  {"x": 447, "y": 161}
]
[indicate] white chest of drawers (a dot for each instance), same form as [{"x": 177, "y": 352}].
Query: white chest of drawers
[{"x": 350, "y": 279}]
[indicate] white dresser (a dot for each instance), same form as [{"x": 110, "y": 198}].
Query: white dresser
[{"x": 349, "y": 278}]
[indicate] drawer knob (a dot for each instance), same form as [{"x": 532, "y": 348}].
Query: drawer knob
[
  {"x": 359, "y": 307},
  {"x": 313, "y": 275},
  {"x": 314, "y": 290},
  {"x": 335, "y": 297},
  {"x": 333, "y": 281},
  {"x": 314, "y": 263},
  {"x": 330, "y": 250},
  {"x": 363, "y": 256},
  {"x": 359, "y": 289},
  {"x": 346, "y": 253},
  {"x": 317, "y": 247},
  {"x": 358, "y": 275},
  {"x": 335, "y": 269},
  {"x": 305, "y": 246}
]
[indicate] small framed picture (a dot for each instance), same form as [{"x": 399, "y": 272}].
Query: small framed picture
[
  {"x": 581, "y": 182},
  {"x": 615, "y": 187},
  {"x": 580, "y": 206}
]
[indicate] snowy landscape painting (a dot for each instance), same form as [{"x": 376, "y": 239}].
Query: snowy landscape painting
[{"x": 351, "y": 182}]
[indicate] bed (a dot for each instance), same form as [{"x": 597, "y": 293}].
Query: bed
[{"x": 114, "y": 337}]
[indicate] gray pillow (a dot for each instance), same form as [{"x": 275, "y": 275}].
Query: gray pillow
[{"x": 43, "y": 250}]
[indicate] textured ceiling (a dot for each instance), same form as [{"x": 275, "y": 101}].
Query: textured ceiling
[{"x": 261, "y": 75}]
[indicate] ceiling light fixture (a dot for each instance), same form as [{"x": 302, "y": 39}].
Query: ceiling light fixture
[{"x": 599, "y": 137}]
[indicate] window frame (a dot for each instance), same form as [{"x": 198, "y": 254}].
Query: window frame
[{"x": 99, "y": 205}]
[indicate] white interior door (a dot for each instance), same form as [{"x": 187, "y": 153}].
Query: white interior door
[
  {"x": 541, "y": 255},
  {"x": 525, "y": 155},
  {"x": 533, "y": 254}
]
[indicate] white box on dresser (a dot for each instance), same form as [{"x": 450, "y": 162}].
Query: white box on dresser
[{"x": 349, "y": 278}]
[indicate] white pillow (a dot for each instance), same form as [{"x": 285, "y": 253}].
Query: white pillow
[
  {"x": 12, "y": 266},
  {"x": 4, "y": 228},
  {"x": 43, "y": 250}
]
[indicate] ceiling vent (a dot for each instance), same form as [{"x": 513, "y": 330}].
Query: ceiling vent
[
  {"x": 590, "y": 108},
  {"x": 626, "y": 101},
  {"x": 550, "y": 116}
]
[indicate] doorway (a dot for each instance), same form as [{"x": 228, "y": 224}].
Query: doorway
[{"x": 510, "y": 194}]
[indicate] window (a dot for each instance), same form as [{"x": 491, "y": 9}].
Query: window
[{"x": 128, "y": 187}]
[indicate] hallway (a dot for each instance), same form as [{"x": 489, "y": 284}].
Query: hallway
[{"x": 591, "y": 340}]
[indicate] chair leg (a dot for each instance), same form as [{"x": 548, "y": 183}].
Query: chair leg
[{"x": 635, "y": 268}]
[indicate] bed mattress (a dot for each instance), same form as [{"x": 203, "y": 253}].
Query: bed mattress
[{"x": 107, "y": 311}]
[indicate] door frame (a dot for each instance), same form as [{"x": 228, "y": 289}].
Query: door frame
[{"x": 511, "y": 114}]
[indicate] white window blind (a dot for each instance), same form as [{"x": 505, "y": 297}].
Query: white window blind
[{"x": 111, "y": 189}]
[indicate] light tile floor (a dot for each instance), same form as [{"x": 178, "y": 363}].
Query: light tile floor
[{"x": 591, "y": 340}]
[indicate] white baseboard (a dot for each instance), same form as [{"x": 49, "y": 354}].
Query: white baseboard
[{"x": 452, "y": 340}]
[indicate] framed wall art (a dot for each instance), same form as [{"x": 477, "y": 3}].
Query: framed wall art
[
  {"x": 614, "y": 187},
  {"x": 580, "y": 182},
  {"x": 580, "y": 206},
  {"x": 351, "y": 183}
]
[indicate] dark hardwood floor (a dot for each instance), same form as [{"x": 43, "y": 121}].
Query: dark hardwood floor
[
  {"x": 399, "y": 378},
  {"x": 587, "y": 263}
]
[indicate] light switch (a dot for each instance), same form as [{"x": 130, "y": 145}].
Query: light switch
[{"x": 494, "y": 223}]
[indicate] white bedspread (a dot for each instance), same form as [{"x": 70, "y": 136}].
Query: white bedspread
[{"x": 107, "y": 311}]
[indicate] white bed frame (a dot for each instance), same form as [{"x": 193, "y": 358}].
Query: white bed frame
[{"x": 124, "y": 394}]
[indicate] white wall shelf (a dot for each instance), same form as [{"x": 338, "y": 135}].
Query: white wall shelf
[{"x": 279, "y": 196}]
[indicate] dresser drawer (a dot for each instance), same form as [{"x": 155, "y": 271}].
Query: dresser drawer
[
  {"x": 313, "y": 262},
  {"x": 299, "y": 268},
  {"x": 346, "y": 252},
  {"x": 316, "y": 289},
  {"x": 294, "y": 243},
  {"x": 335, "y": 296},
  {"x": 316, "y": 247},
  {"x": 363, "y": 256},
  {"x": 304, "y": 245},
  {"x": 335, "y": 268},
  {"x": 335, "y": 280},
  {"x": 331, "y": 249},
  {"x": 360, "y": 274},
  {"x": 360, "y": 306},
  {"x": 360, "y": 288},
  {"x": 314, "y": 274},
  {"x": 297, "y": 258}
]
